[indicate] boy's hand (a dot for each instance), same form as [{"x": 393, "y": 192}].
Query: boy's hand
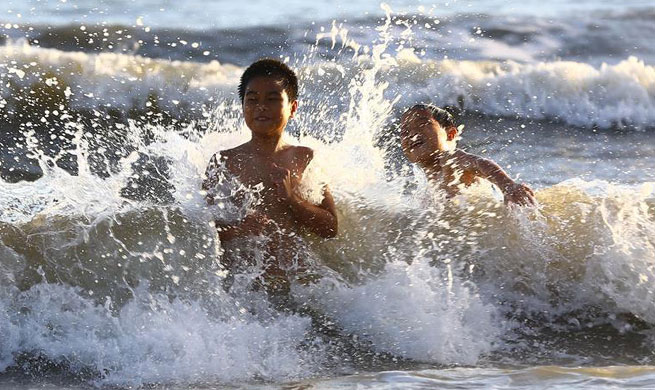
[
  {"x": 285, "y": 183},
  {"x": 252, "y": 225},
  {"x": 519, "y": 194}
]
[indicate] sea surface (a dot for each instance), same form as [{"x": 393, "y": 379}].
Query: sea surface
[{"x": 110, "y": 272}]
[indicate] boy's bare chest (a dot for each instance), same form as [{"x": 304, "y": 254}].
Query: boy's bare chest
[
  {"x": 255, "y": 173},
  {"x": 254, "y": 176},
  {"x": 260, "y": 178}
]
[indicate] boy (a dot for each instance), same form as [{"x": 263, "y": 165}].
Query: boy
[
  {"x": 268, "y": 91},
  {"x": 428, "y": 138}
]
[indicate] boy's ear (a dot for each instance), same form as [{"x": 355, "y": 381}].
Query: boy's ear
[
  {"x": 294, "y": 107},
  {"x": 451, "y": 132}
]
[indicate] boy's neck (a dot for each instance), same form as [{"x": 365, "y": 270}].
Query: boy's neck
[{"x": 266, "y": 145}]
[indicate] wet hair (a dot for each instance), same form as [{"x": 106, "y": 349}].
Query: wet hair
[
  {"x": 440, "y": 115},
  {"x": 268, "y": 67}
]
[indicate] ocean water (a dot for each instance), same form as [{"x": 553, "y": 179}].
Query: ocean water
[{"x": 110, "y": 272}]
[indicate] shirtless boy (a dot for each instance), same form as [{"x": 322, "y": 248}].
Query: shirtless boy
[
  {"x": 268, "y": 93},
  {"x": 428, "y": 137}
]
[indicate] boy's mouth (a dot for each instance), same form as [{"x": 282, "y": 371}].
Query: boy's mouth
[{"x": 262, "y": 118}]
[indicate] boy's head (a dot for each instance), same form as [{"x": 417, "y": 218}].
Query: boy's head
[
  {"x": 426, "y": 129},
  {"x": 268, "y": 67},
  {"x": 268, "y": 92}
]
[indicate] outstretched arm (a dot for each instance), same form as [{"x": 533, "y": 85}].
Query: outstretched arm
[{"x": 513, "y": 192}]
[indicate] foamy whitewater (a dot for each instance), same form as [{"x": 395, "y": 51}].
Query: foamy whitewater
[{"x": 110, "y": 271}]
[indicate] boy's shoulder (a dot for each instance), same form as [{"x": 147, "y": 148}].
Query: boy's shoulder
[
  {"x": 235, "y": 151},
  {"x": 302, "y": 152},
  {"x": 230, "y": 154},
  {"x": 299, "y": 156},
  {"x": 297, "y": 151},
  {"x": 463, "y": 157}
]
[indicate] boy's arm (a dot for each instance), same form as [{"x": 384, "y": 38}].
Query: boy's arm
[
  {"x": 513, "y": 192},
  {"x": 319, "y": 219},
  {"x": 209, "y": 179}
]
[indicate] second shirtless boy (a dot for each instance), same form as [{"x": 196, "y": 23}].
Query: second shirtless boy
[{"x": 428, "y": 137}]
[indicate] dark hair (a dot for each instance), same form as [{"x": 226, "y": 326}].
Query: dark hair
[
  {"x": 440, "y": 115},
  {"x": 269, "y": 67}
]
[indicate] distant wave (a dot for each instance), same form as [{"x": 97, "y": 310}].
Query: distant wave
[
  {"x": 621, "y": 95},
  {"x": 593, "y": 37},
  {"x": 578, "y": 94}
]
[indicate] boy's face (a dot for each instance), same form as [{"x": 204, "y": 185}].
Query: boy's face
[
  {"x": 266, "y": 106},
  {"x": 421, "y": 136}
]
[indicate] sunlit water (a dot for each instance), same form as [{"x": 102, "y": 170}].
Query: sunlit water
[{"x": 109, "y": 265}]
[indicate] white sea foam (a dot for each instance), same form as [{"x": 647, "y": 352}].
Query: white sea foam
[
  {"x": 151, "y": 339},
  {"x": 10, "y": 341},
  {"x": 415, "y": 311},
  {"x": 588, "y": 248},
  {"x": 624, "y": 267}
]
